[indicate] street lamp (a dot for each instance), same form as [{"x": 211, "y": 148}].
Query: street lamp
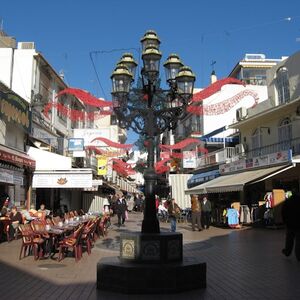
[{"x": 149, "y": 109}]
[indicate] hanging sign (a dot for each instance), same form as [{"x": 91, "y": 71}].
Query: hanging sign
[
  {"x": 102, "y": 165},
  {"x": 189, "y": 159}
]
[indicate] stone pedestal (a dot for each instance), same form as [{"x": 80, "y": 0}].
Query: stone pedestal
[
  {"x": 150, "y": 263},
  {"x": 140, "y": 247},
  {"x": 137, "y": 278}
]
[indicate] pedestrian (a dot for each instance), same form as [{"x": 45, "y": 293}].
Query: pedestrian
[
  {"x": 291, "y": 218},
  {"x": 156, "y": 203},
  {"x": 233, "y": 217},
  {"x": 121, "y": 208},
  {"x": 196, "y": 212},
  {"x": 174, "y": 212},
  {"x": 206, "y": 212},
  {"x": 106, "y": 206}
]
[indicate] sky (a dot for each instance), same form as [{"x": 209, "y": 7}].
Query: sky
[{"x": 77, "y": 36}]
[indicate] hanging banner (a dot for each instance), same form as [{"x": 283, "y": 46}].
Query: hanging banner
[
  {"x": 180, "y": 145},
  {"x": 15, "y": 110},
  {"x": 102, "y": 165},
  {"x": 214, "y": 88},
  {"x": 85, "y": 97},
  {"x": 189, "y": 159}
]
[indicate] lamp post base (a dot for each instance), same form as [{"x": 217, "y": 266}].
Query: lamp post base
[
  {"x": 135, "y": 278},
  {"x": 146, "y": 261}
]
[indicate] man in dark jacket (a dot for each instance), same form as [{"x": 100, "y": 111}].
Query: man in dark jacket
[
  {"x": 121, "y": 207},
  {"x": 206, "y": 211},
  {"x": 291, "y": 217}
]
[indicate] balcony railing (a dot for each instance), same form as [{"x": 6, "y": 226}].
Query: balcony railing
[
  {"x": 293, "y": 144},
  {"x": 217, "y": 157}
]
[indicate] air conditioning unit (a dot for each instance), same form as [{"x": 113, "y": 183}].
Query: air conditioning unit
[
  {"x": 240, "y": 148},
  {"x": 241, "y": 113},
  {"x": 26, "y": 45}
]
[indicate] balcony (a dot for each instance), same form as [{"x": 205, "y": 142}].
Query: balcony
[
  {"x": 221, "y": 156},
  {"x": 293, "y": 144}
]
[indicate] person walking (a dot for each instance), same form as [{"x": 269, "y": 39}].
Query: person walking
[
  {"x": 196, "y": 212},
  {"x": 291, "y": 218},
  {"x": 121, "y": 208},
  {"x": 173, "y": 211},
  {"x": 206, "y": 211}
]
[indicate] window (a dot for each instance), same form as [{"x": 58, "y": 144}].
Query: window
[
  {"x": 282, "y": 85},
  {"x": 256, "y": 140},
  {"x": 62, "y": 108},
  {"x": 255, "y": 76},
  {"x": 285, "y": 131}
]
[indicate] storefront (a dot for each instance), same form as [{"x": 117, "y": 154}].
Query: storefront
[
  {"x": 61, "y": 190},
  {"x": 16, "y": 170},
  {"x": 16, "y": 166}
]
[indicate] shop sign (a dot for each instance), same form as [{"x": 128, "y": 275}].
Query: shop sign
[
  {"x": 88, "y": 135},
  {"x": 255, "y": 162},
  {"x": 62, "y": 180},
  {"x": 75, "y": 144},
  {"x": 15, "y": 158},
  {"x": 45, "y": 136},
  {"x": 15, "y": 110},
  {"x": 189, "y": 159},
  {"x": 94, "y": 188},
  {"x": 12, "y": 177}
]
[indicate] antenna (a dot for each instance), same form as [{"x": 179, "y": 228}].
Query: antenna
[{"x": 213, "y": 62}]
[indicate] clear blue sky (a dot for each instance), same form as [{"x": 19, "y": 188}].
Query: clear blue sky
[{"x": 67, "y": 31}]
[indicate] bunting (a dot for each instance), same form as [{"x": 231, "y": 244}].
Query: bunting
[
  {"x": 224, "y": 106},
  {"x": 112, "y": 144},
  {"x": 85, "y": 97},
  {"x": 182, "y": 144},
  {"x": 75, "y": 115},
  {"x": 214, "y": 87}
]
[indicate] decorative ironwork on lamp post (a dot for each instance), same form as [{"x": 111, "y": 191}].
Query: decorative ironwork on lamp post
[{"x": 149, "y": 109}]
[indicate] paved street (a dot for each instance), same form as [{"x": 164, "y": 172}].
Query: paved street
[{"x": 242, "y": 264}]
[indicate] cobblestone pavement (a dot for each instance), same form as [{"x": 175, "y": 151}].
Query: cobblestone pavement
[{"x": 241, "y": 264}]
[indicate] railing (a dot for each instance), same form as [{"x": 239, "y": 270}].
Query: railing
[
  {"x": 293, "y": 144},
  {"x": 216, "y": 157}
]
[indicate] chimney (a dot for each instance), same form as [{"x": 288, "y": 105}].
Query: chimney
[{"x": 213, "y": 77}]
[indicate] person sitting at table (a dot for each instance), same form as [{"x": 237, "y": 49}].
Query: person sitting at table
[
  {"x": 16, "y": 219},
  {"x": 4, "y": 206},
  {"x": 44, "y": 210}
]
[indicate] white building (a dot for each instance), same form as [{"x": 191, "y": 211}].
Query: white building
[{"x": 26, "y": 71}]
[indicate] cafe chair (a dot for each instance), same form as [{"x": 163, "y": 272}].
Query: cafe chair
[
  {"x": 30, "y": 241},
  {"x": 87, "y": 236},
  {"x": 73, "y": 242}
]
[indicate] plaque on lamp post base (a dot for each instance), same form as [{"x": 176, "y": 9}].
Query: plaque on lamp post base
[{"x": 150, "y": 263}]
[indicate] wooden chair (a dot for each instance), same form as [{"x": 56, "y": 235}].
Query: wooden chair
[
  {"x": 88, "y": 236},
  {"x": 72, "y": 241},
  {"x": 103, "y": 226},
  {"x": 39, "y": 229},
  {"x": 30, "y": 241}
]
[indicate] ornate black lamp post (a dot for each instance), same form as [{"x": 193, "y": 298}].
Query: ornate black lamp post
[
  {"x": 149, "y": 109},
  {"x": 148, "y": 257}
]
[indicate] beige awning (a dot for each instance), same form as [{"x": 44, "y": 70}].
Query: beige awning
[{"x": 236, "y": 182}]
